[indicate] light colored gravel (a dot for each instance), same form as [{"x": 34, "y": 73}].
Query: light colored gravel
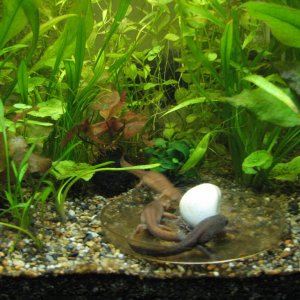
[{"x": 78, "y": 246}]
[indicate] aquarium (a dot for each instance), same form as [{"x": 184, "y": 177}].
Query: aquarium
[{"x": 111, "y": 111}]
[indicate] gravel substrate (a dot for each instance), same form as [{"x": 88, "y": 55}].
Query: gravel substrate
[{"x": 78, "y": 246}]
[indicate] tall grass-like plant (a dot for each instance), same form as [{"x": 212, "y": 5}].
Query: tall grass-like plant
[
  {"x": 68, "y": 73},
  {"x": 227, "y": 50},
  {"x": 46, "y": 88},
  {"x": 18, "y": 205}
]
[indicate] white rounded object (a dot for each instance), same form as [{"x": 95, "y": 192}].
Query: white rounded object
[{"x": 199, "y": 203}]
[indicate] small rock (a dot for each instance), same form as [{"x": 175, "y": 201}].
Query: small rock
[
  {"x": 71, "y": 214},
  {"x": 90, "y": 235}
]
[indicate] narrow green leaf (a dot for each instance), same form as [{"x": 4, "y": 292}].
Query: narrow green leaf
[
  {"x": 197, "y": 155},
  {"x": 12, "y": 48},
  {"x": 70, "y": 72},
  {"x": 226, "y": 49},
  {"x": 185, "y": 104},
  {"x": 121, "y": 12},
  {"x": 199, "y": 55},
  {"x": 64, "y": 46},
  {"x": 37, "y": 242},
  {"x": 22, "y": 171},
  {"x": 23, "y": 81},
  {"x": 32, "y": 13},
  {"x": 47, "y": 26},
  {"x": 79, "y": 51},
  {"x": 99, "y": 66},
  {"x": 13, "y": 20}
]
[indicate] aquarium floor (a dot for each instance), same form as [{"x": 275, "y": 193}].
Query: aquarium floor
[{"x": 76, "y": 251}]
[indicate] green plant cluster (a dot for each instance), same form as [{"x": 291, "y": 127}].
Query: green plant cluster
[{"x": 189, "y": 77}]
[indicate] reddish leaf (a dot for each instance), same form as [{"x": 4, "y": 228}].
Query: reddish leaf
[
  {"x": 37, "y": 163},
  {"x": 132, "y": 128},
  {"x": 109, "y": 104},
  {"x": 99, "y": 128},
  {"x": 17, "y": 150},
  {"x": 70, "y": 134},
  {"x": 115, "y": 125},
  {"x": 134, "y": 124},
  {"x": 21, "y": 115}
]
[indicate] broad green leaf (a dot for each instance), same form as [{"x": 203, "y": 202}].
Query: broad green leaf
[
  {"x": 149, "y": 86},
  {"x": 52, "y": 108},
  {"x": 256, "y": 161},
  {"x": 266, "y": 107},
  {"x": 191, "y": 118},
  {"x": 166, "y": 164},
  {"x": 211, "y": 56},
  {"x": 131, "y": 71},
  {"x": 287, "y": 171},
  {"x": 171, "y": 37},
  {"x": 181, "y": 147},
  {"x": 273, "y": 90},
  {"x": 159, "y": 2},
  {"x": 283, "y": 21},
  {"x": 197, "y": 155},
  {"x": 159, "y": 142},
  {"x": 153, "y": 53},
  {"x": 68, "y": 168}
]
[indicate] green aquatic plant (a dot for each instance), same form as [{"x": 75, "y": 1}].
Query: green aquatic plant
[
  {"x": 67, "y": 74},
  {"x": 220, "y": 42},
  {"x": 17, "y": 161},
  {"x": 171, "y": 155},
  {"x": 70, "y": 172}
]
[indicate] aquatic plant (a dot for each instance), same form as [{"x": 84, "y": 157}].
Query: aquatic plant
[
  {"x": 198, "y": 76},
  {"x": 17, "y": 161},
  {"x": 227, "y": 52},
  {"x": 70, "y": 172},
  {"x": 42, "y": 94},
  {"x": 171, "y": 155},
  {"x": 117, "y": 124}
]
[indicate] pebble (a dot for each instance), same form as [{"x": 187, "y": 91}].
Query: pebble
[{"x": 79, "y": 245}]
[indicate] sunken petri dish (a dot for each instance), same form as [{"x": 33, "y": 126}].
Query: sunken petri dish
[{"x": 257, "y": 224}]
